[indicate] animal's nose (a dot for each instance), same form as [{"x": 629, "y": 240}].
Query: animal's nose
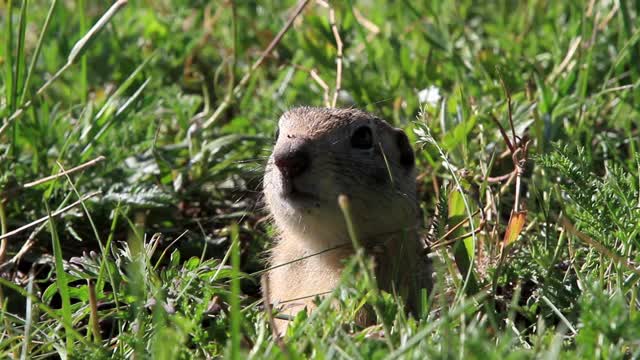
[{"x": 293, "y": 162}]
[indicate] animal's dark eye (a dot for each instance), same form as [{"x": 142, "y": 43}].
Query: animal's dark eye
[{"x": 362, "y": 138}]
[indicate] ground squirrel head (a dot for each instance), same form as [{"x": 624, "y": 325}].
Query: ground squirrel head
[{"x": 321, "y": 153}]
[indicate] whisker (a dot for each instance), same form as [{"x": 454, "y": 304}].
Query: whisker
[{"x": 248, "y": 161}]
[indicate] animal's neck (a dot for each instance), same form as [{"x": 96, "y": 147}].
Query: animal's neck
[{"x": 371, "y": 244}]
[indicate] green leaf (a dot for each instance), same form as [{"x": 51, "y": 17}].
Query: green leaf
[{"x": 463, "y": 249}]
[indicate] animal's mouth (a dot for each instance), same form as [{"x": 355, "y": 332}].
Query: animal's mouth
[
  {"x": 292, "y": 193},
  {"x": 300, "y": 196}
]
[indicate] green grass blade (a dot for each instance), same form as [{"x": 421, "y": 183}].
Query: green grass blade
[
  {"x": 84, "y": 81},
  {"x": 236, "y": 316},
  {"x": 68, "y": 326},
  {"x": 36, "y": 53},
  {"x": 83, "y": 44},
  {"x": 8, "y": 51},
  {"x": 345, "y": 207},
  {"x": 22, "y": 24},
  {"x": 61, "y": 279},
  {"x": 105, "y": 254},
  {"x": 460, "y": 309},
  {"x": 104, "y": 250},
  {"x": 28, "y": 319},
  {"x": 78, "y": 49},
  {"x": 628, "y": 31},
  {"x": 84, "y": 207},
  {"x": 463, "y": 250},
  {"x": 573, "y": 73},
  {"x": 109, "y": 108}
]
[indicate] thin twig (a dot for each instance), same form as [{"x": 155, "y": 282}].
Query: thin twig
[
  {"x": 500, "y": 178},
  {"x": 260, "y": 272},
  {"x": 65, "y": 172},
  {"x": 93, "y": 314},
  {"x": 506, "y": 185},
  {"x": 516, "y": 145},
  {"x": 323, "y": 85},
  {"x": 245, "y": 79},
  {"x": 28, "y": 244},
  {"x": 439, "y": 243},
  {"x": 509, "y": 108},
  {"x": 373, "y": 29},
  {"x": 366, "y": 23},
  {"x": 560, "y": 315},
  {"x": 463, "y": 236},
  {"x": 45, "y": 218},
  {"x": 305, "y": 297},
  {"x": 573, "y": 47},
  {"x": 505, "y": 137},
  {"x": 603, "y": 24},
  {"x": 339, "y": 47},
  {"x": 519, "y": 160},
  {"x": 169, "y": 247},
  {"x": 25, "y": 247},
  {"x": 369, "y": 244}
]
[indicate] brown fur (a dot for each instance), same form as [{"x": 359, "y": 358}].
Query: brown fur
[{"x": 380, "y": 182}]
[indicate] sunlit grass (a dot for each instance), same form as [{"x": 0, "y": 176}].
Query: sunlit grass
[{"x": 178, "y": 99}]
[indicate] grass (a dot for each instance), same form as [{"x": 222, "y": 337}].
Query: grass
[{"x": 168, "y": 108}]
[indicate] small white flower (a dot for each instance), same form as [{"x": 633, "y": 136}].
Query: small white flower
[{"x": 430, "y": 95}]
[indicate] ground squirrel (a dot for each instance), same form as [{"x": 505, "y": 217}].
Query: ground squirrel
[{"x": 319, "y": 154}]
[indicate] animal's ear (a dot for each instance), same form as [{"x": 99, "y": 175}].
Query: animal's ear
[{"x": 407, "y": 158}]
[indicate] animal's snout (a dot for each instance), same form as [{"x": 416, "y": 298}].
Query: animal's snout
[{"x": 292, "y": 161}]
